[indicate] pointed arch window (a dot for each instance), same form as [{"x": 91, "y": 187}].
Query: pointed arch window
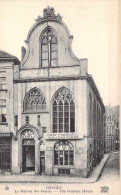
[
  {"x": 48, "y": 48},
  {"x": 34, "y": 100},
  {"x": 63, "y": 153},
  {"x": 63, "y": 108}
]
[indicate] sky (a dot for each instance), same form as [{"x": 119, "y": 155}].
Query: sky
[{"x": 94, "y": 25}]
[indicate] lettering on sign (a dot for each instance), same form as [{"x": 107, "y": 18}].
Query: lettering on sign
[{"x": 61, "y": 136}]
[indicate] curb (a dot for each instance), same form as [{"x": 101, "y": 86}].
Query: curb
[
  {"x": 77, "y": 180},
  {"x": 102, "y": 168}
]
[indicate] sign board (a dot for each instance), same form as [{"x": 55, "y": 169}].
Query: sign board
[{"x": 60, "y": 136}]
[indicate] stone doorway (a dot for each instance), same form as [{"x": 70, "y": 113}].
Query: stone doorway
[{"x": 28, "y": 155}]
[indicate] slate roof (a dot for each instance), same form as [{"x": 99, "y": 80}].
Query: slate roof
[{"x": 4, "y": 56}]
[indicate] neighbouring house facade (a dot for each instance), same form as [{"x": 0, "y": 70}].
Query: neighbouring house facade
[
  {"x": 112, "y": 128},
  {"x": 55, "y": 116},
  {"x": 7, "y": 64}
]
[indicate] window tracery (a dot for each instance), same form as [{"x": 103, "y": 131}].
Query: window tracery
[
  {"x": 63, "y": 153},
  {"x": 49, "y": 48},
  {"x": 63, "y": 111},
  {"x": 34, "y": 101}
]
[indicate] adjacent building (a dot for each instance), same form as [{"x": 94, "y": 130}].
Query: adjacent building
[
  {"x": 112, "y": 128},
  {"x": 7, "y": 65},
  {"x": 54, "y": 117}
]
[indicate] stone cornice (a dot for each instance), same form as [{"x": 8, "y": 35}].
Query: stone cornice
[
  {"x": 52, "y": 67},
  {"x": 46, "y": 79}
]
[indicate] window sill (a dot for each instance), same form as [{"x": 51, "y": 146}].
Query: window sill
[
  {"x": 3, "y": 123},
  {"x": 4, "y": 90},
  {"x": 35, "y": 112}
]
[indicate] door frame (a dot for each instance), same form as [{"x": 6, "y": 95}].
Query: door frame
[
  {"x": 29, "y": 132},
  {"x": 24, "y": 146},
  {"x": 41, "y": 170}
]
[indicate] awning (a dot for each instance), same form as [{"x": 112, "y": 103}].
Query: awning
[{"x": 6, "y": 134}]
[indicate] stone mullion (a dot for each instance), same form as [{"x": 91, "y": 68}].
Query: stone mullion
[
  {"x": 57, "y": 117},
  {"x": 58, "y": 157},
  {"x": 69, "y": 117},
  {"x": 49, "y": 56},
  {"x": 63, "y": 118}
]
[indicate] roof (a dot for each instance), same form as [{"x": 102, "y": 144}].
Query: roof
[{"x": 6, "y": 56}]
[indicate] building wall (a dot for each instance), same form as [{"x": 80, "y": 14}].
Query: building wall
[
  {"x": 95, "y": 128},
  {"x": 7, "y": 127},
  {"x": 112, "y": 129},
  {"x": 33, "y": 55},
  {"x": 70, "y": 73}
]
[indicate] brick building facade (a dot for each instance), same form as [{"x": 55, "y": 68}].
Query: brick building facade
[{"x": 57, "y": 114}]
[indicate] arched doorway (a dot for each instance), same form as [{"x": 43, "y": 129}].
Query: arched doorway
[{"x": 29, "y": 139}]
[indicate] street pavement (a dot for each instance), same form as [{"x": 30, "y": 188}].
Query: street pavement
[
  {"x": 105, "y": 175},
  {"x": 111, "y": 170},
  {"x": 24, "y": 178}
]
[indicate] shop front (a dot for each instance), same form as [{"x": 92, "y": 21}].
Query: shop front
[{"x": 5, "y": 152}]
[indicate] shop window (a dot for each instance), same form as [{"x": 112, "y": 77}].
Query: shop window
[
  {"x": 63, "y": 154},
  {"x": 2, "y": 111},
  {"x": 5, "y": 152},
  {"x": 34, "y": 101},
  {"x": 48, "y": 48},
  {"x": 63, "y": 107},
  {"x": 2, "y": 83}
]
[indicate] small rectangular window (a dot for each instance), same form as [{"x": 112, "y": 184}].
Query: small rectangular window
[
  {"x": 16, "y": 120},
  {"x": 38, "y": 120},
  {"x": 2, "y": 111},
  {"x": 2, "y": 82},
  {"x": 42, "y": 153}
]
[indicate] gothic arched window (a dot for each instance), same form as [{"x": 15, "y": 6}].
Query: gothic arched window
[
  {"x": 63, "y": 153},
  {"x": 63, "y": 107},
  {"x": 34, "y": 100},
  {"x": 48, "y": 48}
]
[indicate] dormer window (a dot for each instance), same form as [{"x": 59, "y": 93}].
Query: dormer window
[{"x": 48, "y": 48}]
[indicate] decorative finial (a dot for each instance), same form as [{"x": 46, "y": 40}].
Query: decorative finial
[{"x": 49, "y": 13}]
